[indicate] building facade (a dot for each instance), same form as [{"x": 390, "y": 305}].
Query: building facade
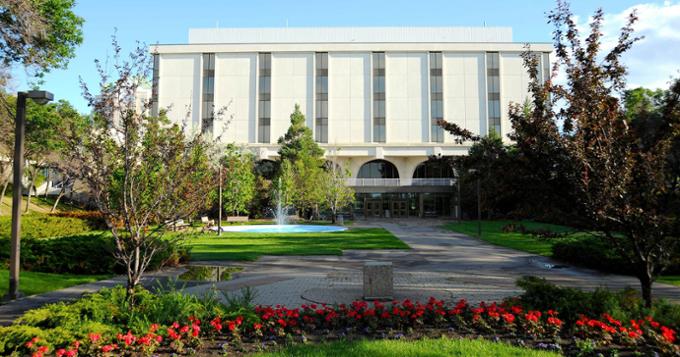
[{"x": 372, "y": 97}]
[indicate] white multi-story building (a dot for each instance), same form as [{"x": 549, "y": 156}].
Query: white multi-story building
[{"x": 372, "y": 97}]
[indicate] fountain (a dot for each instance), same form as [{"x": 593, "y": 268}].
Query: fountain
[
  {"x": 281, "y": 214},
  {"x": 281, "y": 220}
]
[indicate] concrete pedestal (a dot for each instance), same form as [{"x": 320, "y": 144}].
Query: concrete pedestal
[{"x": 378, "y": 281}]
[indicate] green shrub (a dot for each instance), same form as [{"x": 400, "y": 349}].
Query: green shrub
[
  {"x": 90, "y": 253},
  {"x": 107, "y": 312},
  {"x": 594, "y": 253},
  {"x": 37, "y": 226},
  {"x": 623, "y": 305}
]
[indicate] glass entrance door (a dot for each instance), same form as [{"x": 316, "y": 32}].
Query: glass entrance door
[
  {"x": 399, "y": 208},
  {"x": 373, "y": 208}
]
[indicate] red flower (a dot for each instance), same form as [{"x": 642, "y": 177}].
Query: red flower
[
  {"x": 509, "y": 318},
  {"x": 173, "y": 335},
  {"x": 109, "y": 348},
  {"x": 33, "y": 341},
  {"x": 128, "y": 338},
  {"x": 554, "y": 321},
  {"x": 257, "y": 326},
  {"x": 60, "y": 352},
  {"x": 94, "y": 337},
  {"x": 668, "y": 334}
]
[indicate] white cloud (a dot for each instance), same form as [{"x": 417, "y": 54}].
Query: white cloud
[{"x": 656, "y": 58}]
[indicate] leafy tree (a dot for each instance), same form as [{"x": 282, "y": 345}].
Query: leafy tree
[
  {"x": 642, "y": 100},
  {"x": 39, "y": 34},
  {"x": 45, "y": 125},
  {"x": 265, "y": 171},
  {"x": 298, "y": 142},
  {"x": 143, "y": 172},
  {"x": 619, "y": 178},
  {"x": 238, "y": 179},
  {"x": 301, "y": 161},
  {"x": 336, "y": 194}
]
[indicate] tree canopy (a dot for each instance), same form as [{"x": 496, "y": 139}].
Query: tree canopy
[
  {"x": 619, "y": 177},
  {"x": 39, "y": 34}
]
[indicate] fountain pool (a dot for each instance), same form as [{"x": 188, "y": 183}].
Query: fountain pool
[{"x": 282, "y": 228}]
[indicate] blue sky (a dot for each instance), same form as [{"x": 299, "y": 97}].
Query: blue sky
[{"x": 168, "y": 22}]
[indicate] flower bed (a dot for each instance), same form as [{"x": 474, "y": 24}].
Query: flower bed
[{"x": 240, "y": 333}]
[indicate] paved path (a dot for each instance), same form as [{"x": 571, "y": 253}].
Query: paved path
[{"x": 441, "y": 263}]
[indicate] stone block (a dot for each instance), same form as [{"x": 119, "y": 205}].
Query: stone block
[{"x": 378, "y": 281}]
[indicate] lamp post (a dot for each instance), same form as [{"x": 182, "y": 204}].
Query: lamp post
[
  {"x": 40, "y": 97},
  {"x": 219, "y": 213},
  {"x": 479, "y": 203}
]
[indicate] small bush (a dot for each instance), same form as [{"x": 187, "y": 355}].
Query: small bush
[
  {"x": 591, "y": 253},
  {"x": 94, "y": 218},
  {"x": 571, "y": 303},
  {"x": 90, "y": 253},
  {"x": 37, "y": 226}
]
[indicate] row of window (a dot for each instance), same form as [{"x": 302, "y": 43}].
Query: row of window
[
  {"x": 321, "y": 97},
  {"x": 208, "y": 102}
]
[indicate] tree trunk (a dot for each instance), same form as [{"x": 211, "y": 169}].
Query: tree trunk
[
  {"x": 47, "y": 184},
  {"x": 28, "y": 198},
  {"x": 4, "y": 189},
  {"x": 59, "y": 196},
  {"x": 646, "y": 282},
  {"x": 133, "y": 276},
  {"x": 333, "y": 216}
]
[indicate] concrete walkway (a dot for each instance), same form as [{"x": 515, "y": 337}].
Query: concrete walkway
[{"x": 441, "y": 263}]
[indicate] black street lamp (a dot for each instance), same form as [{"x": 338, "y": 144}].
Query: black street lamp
[
  {"x": 40, "y": 97},
  {"x": 479, "y": 203}
]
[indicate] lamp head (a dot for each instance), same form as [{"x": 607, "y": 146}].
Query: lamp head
[{"x": 40, "y": 96}]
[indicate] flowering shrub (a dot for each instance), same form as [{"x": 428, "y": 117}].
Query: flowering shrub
[{"x": 506, "y": 320}]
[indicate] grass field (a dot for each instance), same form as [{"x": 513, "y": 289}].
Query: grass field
[
  {"x": 420, "y": 348},
  {"x": 250, "y": 246},
  {"x": 31, "y": 283},
  {"x": 492, "y": 232}
]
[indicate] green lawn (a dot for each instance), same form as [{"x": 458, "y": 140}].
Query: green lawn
[
  {"x": 492, "y": 232},
  {"x": 250, "y": 246},
  {"x": 31, "y": 283},
  {"x": 670, "y": 279},
  {"x": 420, "y": 348}
]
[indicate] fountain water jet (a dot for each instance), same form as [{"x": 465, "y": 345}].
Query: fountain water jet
[{"x": 281, "y": 220}]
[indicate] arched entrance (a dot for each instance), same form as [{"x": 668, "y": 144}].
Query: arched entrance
[
  {"x": 437, "y": 174},
  {"x": 382, "y": 173}
]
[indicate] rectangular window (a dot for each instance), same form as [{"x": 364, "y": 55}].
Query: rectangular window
[
  {"x": 321, "y": 119},
  {"x": 154, "y": 84},
  {"x": 436, "y": 97},
  {"x": 208, "y": 105},
  {"x": 493, "y": 92},
  {"x": 379, "y": 97},
  {"x": 264, "y": 97},
  {"x": 545, "y": 59}
]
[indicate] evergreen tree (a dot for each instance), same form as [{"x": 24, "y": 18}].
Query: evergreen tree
[{"x": 301, "y": 160}]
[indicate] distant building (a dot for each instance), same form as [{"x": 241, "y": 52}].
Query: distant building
[{"x": 372, "y": 97}]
